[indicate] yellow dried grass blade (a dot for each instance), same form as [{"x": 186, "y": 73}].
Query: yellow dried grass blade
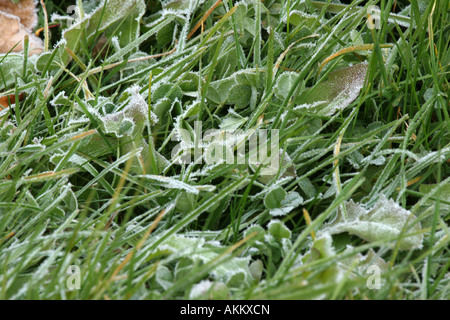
[{"x": 361, "y": 47}]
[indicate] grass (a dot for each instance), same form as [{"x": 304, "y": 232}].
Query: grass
[{"x": 89, "y": 188}]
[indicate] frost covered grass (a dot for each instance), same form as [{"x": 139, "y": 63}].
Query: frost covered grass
[{"x": 93, "y": 205}]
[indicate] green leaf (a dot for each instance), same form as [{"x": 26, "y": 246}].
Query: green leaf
[
  {"x": 162, "y": 109},
  {"x": 43, "y": 60},
  {"x": 218, "y": 90},
  {"x": 129, "y": 28},
  {"x": 256, "y": 269},
  {"x": 274, "y": 198},
  {"x": 322, "y": 248},
  {"x": 185, "y": 202},
  {"x": 165, "y": 35},
  {"x": 279, "y": 230},
  {"x": 260, "y": 232},
  {"x": 167, "y": 90},
  {"x": 190, "y": 82},
  {"x": 298, "y": 17},
  {"x": 444, "y": 194},
  {"x": 240, "y": 96},
  {"x": 11, "y": 67},
  {"x": 177, "y": 4}
]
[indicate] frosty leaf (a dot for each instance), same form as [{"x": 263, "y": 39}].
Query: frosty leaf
[
  {"x": 257, "y": 230},
  {"x": 6, "y": 130},
  {"x": 129, "y": 27},
  {"x": 338, "y": 91},
  {"x": 167, "y": 90},
  {"x": 164, "y": 277},
  {"x": 185, "y": 202},
  {"x": 95, "y": 146},
  {"x": 101, "y": 18},
  {"x": 165, "y": 35},
  {"x": 357, "y": 41},
  {"x": 256, "y": 269},
  {"x": 218, "y": 90},
  {"x": 190, "y": 82},
  {"x": 274, "y": 198},
  {"x": 226, "y": 64},
  {"x": 322, "y": 248},
  {"x": 385, "y": 220},
  {"x": 284, "y": 84},
  {"x": 162, "y": 109},
  {"x": 206, "y": 289},
  {"x": 11, "y": 67},
  {"x": 192, "y": 109},
  {"x": 121, "y": 127},
  {"x": 292, "y": 201},
  {"x": 307, "y": 187},
  {"x": 218, "y": 207},
  {"x": 233, "y": 272},
  {"x": 108, "y": 108},
  {"x": 43, "y": 60},
  {"x": 240, "y": 95},
  {"x": 240, "y": 14},
  {"x": 60, "y": 100},
  {"x": 250, "y": 77},
  {"x": 232, "y": 123},
  {"x": 298, "y": 17},
  {"x": 236, "y": 89},
  {"x": 378, "y": 161},
  {"x": 355, "y": 159},
  {"x": 279, "y": 230}
]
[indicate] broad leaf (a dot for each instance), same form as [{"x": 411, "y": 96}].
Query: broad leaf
[
  {"x": 337, "y": 92},
  {"x": 386, "y": 220}
]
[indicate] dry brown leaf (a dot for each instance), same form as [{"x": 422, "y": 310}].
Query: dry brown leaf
[
  {"x": 14, "y": 31},
  {"x": 25, "y": 10},
  {"x": 4, "y": 101}
]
